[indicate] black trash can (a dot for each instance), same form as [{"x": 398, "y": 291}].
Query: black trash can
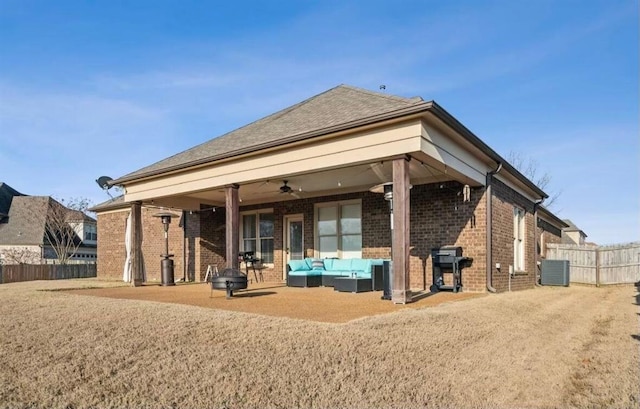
[
  {"x": 387, "y": 278},
  {"x": 167, "y": 271}
]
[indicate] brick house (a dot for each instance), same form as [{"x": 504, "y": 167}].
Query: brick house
[
  {"x": 27, "y": 225},
  {"x": 298, "y": 183}
]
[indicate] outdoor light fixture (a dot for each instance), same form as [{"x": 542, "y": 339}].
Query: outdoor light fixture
[{"x": 166, "y": 265}]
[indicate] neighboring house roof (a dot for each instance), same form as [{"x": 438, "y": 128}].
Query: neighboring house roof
[
  {"x": 572, "y": 227},
  {"x": 340, "y": 108},
  {"x": 568, "y": 234},
  {"x": 7, "y": 193},
  {"x": 27, "y": 221},
  {"x": 78, "y": 216},
  {"x": 111, "y": 204}
]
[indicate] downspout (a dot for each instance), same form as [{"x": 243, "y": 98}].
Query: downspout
[
  {"x": 489, "y": 195},
  {"x": 184, "y": 246},
  {"x": 535, "y": 229}
]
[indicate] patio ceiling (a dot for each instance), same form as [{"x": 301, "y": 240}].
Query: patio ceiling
[{"x": 347, "y": 179}]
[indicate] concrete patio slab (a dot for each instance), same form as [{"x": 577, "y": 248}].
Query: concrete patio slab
[{"x": 321, "y": 304}]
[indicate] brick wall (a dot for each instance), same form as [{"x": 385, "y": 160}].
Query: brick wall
[
  {"x": 112, "y": 252},
  {"x": 210, "y": 245},
  {"x": 438, "y": 217},
  {"x": 503, "y": 201}
]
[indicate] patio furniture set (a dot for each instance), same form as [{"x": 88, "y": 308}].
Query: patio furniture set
[{"x": 348, "y": 275}]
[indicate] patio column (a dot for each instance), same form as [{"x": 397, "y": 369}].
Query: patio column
[
  {"x": 137, "y": 262},
  {"x": 401, "y": 293},
  {"x": 232, "y": 225}
]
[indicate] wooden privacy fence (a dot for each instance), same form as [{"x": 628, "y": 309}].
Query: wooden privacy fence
[
  {"x": 12, "y": 273},
  {"x": 617, "y": 264}
]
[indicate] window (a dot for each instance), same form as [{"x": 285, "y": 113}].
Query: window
[
  {"x": 256, "y": 234},
  {"x": 518, "y": 239},
  {"x": 90, "y": 232},
  {"x": 339, "y": 230}
]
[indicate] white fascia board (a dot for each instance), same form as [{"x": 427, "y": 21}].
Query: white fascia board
[
  {"x": 440, "y": 147},
  {"x": 327, "y": 153}
]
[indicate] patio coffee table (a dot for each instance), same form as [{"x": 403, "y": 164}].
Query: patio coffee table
[{"x": 352, "y": 284}]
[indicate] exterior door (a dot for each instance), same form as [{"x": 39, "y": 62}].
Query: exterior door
[{"x": 293, "y": 240}]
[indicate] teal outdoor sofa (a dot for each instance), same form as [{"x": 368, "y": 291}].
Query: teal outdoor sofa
[{"x": 322, "y": 272}]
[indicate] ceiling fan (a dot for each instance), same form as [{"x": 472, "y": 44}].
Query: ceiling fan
[{"x": 285, "y": 188}]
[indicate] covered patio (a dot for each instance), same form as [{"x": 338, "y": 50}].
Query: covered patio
[{"x": 301, "y": 183}]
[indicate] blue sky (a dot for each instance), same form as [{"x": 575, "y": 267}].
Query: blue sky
[{"x": 107, "y": 87}]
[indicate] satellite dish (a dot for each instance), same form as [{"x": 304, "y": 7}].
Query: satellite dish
[{"x": 103, "y": 182}]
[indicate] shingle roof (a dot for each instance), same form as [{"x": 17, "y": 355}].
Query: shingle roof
[
  {"x": 114, "y": 203},
  {"x": 570, "y": 225},
  {"x": 340, "y": 105},
  {"x": 78, "y": 216},
  {"x": 7, "y": 193},
  {"x": 26, "y": 223},
  {"x": 339, "y": 108}
]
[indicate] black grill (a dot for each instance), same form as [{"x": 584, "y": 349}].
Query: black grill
[{"x": 448, "y": 259}]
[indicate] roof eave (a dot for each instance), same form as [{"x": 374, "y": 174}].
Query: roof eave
[
  {"x": 553, "y": 217},
  {"x": 430, "y": 106},
  {"x": 452, "y": 122}
]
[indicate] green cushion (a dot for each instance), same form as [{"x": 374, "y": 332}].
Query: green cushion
[{"x": 298, "y": 265}]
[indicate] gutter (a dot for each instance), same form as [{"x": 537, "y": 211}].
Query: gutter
[
  {"x": 184, "y": 246},
  {"x": 490, "y": 174},
  {"x": 536, "y": 255}
]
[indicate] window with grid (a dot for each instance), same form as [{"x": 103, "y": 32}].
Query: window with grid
[
  {"x": 257, "y": 235},
  {"x": 339, "y": 230}
]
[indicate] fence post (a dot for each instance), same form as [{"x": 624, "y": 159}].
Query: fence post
[{"x": 597, "y": 267}]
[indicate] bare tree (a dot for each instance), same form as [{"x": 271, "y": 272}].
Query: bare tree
[
  {"x": 19, "y": 255},
  {"x": 61, "y": 232},
  {"x": 531, "y": 169}
]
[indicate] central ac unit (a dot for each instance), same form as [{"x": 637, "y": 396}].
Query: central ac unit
[{"x": 555, "y": 272}]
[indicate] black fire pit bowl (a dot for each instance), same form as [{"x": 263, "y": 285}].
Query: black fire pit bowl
[{"x": 229, "y": 279}]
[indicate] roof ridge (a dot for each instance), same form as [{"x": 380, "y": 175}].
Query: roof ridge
[{"x": 380, "y": 94}]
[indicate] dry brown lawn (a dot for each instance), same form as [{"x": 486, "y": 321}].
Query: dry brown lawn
[{"x": 543, "y": 348}]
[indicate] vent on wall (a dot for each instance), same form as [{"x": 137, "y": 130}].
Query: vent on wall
[{"x": 555, "y": 272}]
